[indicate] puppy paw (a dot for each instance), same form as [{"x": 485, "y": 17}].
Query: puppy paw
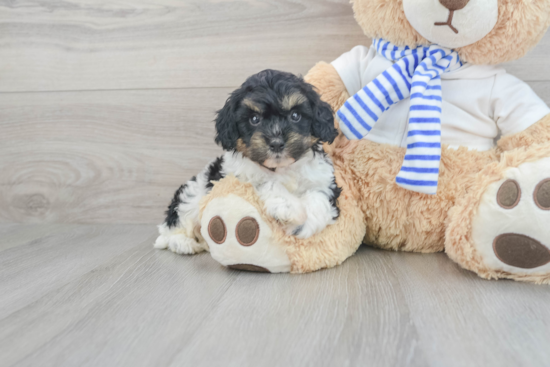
[
  {"x": 304, "y": 231},
  {"x": 294, "y": 230},
  {"x": 290, "y": 213},
  {"x": 179, "y": 243},
  {"x": 162, "y": 242}
]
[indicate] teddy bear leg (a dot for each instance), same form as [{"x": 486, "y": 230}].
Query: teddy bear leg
[
  {"x": 239, "y": 239},
  {"x": 501, "y": 229}
]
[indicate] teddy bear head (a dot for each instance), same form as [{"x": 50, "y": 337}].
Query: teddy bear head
[{"x": 482, "y": 31}]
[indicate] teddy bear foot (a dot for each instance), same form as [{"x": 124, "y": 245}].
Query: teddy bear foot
[
  {"x": 510, "y": 232},
  {"x": 239, "y": 239},
  {"x": 512, "y": 226}
]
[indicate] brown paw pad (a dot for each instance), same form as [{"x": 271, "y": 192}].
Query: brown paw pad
[
  {"x": 509, "y": 194},
  {"x": 248, "y": 267},
  {"x": 247, "y": 231},
  {"x": 217, "y": 230},
  {"x": 542, "y": 194},
  {"x": 521, "y": 251}
]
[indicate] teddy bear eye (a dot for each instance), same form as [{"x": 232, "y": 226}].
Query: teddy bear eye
[
  {"x": 255, "y": 120},
  {"x": 295, "y": 117}
]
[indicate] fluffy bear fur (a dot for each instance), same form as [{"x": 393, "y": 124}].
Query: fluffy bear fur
[
  {"x": 459, "y": 246},
  {"x": 398, "y": 219},
  {"x": 373, "y": 206},
  {"x": 520, "y": 26}
]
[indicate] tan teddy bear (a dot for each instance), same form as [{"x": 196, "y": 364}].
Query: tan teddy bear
[{"x": 418, "y": 158}]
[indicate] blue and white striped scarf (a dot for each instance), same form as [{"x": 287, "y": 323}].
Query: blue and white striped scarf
[{"x": 416, "y": 73}]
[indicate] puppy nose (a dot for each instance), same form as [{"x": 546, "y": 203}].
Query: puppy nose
[
  {"x": 276, "y": 145},
  {"x": 454, "y": 5}
]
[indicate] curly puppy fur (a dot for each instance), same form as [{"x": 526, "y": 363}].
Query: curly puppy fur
[{"x": 271, "y": 129}]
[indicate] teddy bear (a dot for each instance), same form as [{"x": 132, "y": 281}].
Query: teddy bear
[{"x": 439, "y": 148}]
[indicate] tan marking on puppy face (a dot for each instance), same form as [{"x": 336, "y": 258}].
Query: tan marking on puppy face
[
  {"x": 296, "y": 140},
  {"x": 293, "y": 138},
  {"x": 253, "y": 106},
  {"x": 293, "y": 100},
  {"x": 258, "y": 143},
  {"x": 258, "y": 149},
  {"x": 297, "y": 145},
  {"x": 241, "y": 147}
]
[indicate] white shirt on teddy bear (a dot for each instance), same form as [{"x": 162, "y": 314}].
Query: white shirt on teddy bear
[{"x": 479, "y": 102}]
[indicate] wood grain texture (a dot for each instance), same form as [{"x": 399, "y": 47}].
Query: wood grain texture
[
  {"x": 45, "y": 263},
  {"x": 102, "y": 157},
  {"x": 144, "y": 44},
  {"x": 13, "y": 234},
  {"x": 104, "y": 297},
  {"x": 507, "y": 322},
  {"x": 105, "y": 109}
]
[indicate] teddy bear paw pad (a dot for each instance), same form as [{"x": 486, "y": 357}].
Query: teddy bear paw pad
[
  {"x": 511, "y": 230},
  {"x": 521, "y": 251},
  {"x": 239, "y": 239}
]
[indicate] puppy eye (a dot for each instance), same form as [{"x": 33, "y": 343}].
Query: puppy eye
[
  {"x": 255, "y": 120},
  {"x": 295, "y": 117}
]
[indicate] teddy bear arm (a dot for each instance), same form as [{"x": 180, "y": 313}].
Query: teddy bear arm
[
  {"x": 328, "y": 83},
  {"x": 538, "y": 133}
]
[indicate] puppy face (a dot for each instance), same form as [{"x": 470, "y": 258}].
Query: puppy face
[{"x": 274, "y": 119}]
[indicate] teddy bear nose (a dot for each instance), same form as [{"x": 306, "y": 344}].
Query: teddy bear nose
[{"x": 454, "y": 5}]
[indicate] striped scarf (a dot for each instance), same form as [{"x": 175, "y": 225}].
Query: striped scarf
[{"x": 416, "y": 73}]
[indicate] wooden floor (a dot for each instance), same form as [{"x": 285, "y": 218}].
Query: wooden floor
[
  {"x": 100, "y": 295},
  {"x": 105, "y": 109}
]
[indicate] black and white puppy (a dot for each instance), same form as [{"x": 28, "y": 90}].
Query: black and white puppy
[{"x": 272, "y": 129}]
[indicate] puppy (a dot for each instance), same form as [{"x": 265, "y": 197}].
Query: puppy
[{"x": 272, "y": 129}]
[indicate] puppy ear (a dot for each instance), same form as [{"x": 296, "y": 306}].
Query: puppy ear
[
  {"x": 227, "y": 132},
  {"x": 323, "y": 126}
]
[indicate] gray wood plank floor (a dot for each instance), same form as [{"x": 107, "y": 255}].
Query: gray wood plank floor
[
  {"x": 105, "y": 109},
  {"x": 100, "y": 295},
  {"x": 143, "y": 44}
]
